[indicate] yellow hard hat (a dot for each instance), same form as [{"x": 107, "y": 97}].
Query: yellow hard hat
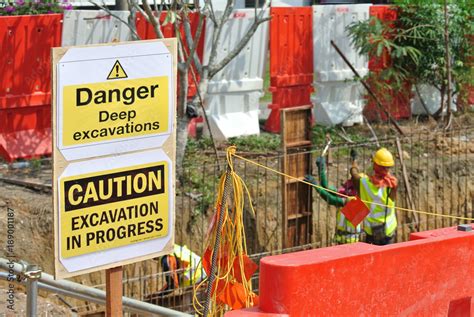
[{"x": 383, "y": 158}]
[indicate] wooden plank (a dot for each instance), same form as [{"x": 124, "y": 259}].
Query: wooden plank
[
  {"x": 407, "y": 185},
  {"x": 299, "y": 143},
  {"x": 284, "y": 199},
  {"x": 113, "y": 289},
  {"x": 296, "y": 196}
]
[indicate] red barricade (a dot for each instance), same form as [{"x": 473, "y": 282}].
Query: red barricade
[
  {"x": 287, "y": 97},
  {"x": 291, "y": 60},
  {"x": 146, "y": 32},
  {"x": 397, "y": 103},
  {"x": 25, "y": 84},
  {"x": 432, "y": 275}
]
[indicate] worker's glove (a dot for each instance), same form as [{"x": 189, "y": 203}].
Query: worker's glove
[
  {"x": 320, "y": 162},
  {"x": 310, "y": 179},
  {"x": 353, "y": 155}
]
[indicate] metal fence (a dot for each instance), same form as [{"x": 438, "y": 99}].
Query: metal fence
[{"x": 439, "y": 167}]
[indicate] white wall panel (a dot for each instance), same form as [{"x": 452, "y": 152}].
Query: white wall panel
[
  {"x": 338, "y": 103},
  {"x": 234, "y": 92},
  {"x": 250, "y": 62},
  {"x": 234, "y": 114},
  {"x": 432, "y": 99},
  {"x": 329, "y": 23},
  {"x": 83, "y": 27}
]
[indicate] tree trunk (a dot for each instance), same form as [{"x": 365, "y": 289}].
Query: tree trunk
[
  {"x": 448, "y": 65},
  {"x": 181, "y": 141},
  {"x": 182, "y": 120}
]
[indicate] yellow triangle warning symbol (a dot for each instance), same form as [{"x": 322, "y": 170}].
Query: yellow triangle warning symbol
[{"x": 117, "y": 72}]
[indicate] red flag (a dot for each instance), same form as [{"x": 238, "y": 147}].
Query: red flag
[
  {"x": 249, "y": 268},
  {"x": 355, "y": 211},
  {"x": 233, "y": 295}
]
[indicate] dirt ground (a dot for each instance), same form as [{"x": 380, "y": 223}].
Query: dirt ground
[{"x": 445, "y": 185}]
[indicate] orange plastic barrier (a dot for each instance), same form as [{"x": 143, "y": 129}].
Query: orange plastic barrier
[
  {"x": 433, "y": 275},
  {"x": 25, "y": 83},
  {"x": 291, "y": 61}
]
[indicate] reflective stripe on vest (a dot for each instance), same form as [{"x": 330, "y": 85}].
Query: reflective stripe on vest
[
  {"x": 372, "y": 193},
  {"x": 351, "y": 234},
  {"x": 343, "y": 224},
  {"x": 194, "y": 272}
]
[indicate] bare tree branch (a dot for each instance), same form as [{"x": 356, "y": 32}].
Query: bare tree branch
[
  {"x": 448, "y": 66},
  {"x": 216, "y": 34},
  {"x": 193, "y": 43},
  {"x": 215, "y": 68},
  {"x": 212, "y": 16},
  {"x": 152, "y": 19},
  {"x": 372, "y": 131}
]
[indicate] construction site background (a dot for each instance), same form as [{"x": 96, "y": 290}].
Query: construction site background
[{"x": 439, "y": 166}]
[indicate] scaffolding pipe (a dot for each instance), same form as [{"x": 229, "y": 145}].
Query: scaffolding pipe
[{"x": 88, "y": 293}]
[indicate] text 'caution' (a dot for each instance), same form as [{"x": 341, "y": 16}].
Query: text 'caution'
[{"x": 114, "y": 208}]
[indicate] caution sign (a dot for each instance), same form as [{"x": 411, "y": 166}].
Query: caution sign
[
  {"x": 114, "y": 98},
  {"x": 117, "y": 72},
  {"x": 114, "y": 149},
  {"x": 110, "y": 209}
]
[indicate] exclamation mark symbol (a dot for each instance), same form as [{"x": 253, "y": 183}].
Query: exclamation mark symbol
[{"x": 117, "y": 71}]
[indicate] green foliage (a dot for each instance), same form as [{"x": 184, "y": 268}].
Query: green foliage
[
  {"x": 415, "y": 42},
  {"x": 35, "y": 164},
  {"x": 320, "y": 132},
  {"x": 257, "y": 143},
  {"x": 20, "y": 7}
]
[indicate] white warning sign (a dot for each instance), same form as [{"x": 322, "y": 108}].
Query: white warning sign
[{"x": 114, "y": 99}]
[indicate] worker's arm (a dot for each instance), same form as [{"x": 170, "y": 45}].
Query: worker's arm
[
  {"x": 321, "y": 164},
  {"x": 327, "y": 196},
  {"x": 393, "y": 193}
]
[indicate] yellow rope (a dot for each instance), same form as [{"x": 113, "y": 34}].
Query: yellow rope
[
  {"x": 232, "y": 243},
  {"x": 342, "y": 195}
]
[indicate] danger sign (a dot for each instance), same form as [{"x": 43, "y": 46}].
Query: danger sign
[
  {"x": 115, "y": 93},
  {"x": 115, "y": 110},
  {"x": 114, "y": 144}
]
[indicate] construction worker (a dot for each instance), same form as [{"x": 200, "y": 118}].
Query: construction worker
[
  {"x": 346, "y": 232},
  {"x": 182, "y": 268},
  {"x": 380, "y": 225}
]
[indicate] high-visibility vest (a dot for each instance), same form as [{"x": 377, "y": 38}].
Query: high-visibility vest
[
  {"x": 345, "y": 230},
  {"x": 194, "y": 272},
  {"x": 378, "y": 214}
]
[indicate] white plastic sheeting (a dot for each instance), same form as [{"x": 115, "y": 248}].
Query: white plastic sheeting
[
  {"x": 348, "y": 108},
  {"x": 337, "y": 97},
  {"x": 234, "y": 92},
  {"x": 329, "y": 23},
  {"x": 83, "y": 27},
  {"x": 234, "y": 114},
  {"x": 432, "y": 98}
]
